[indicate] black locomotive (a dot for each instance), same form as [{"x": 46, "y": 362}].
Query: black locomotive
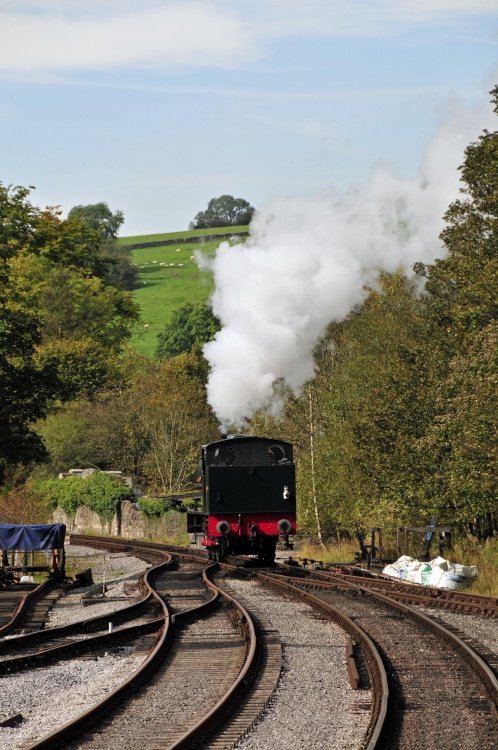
[{"x": 248, "y": 497}]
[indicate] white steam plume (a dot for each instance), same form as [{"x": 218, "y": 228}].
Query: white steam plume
[{"x": 307, "y": 262}]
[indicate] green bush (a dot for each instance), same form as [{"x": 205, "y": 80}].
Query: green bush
[
  {"x": 103, "y": 494},
  {"x": 67, "y": 493},
  {"x": 99, "y": 492},
  {"x": 151, "y": 507}
]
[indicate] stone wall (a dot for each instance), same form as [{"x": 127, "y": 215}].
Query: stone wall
[{"x": 128, "y": 522}]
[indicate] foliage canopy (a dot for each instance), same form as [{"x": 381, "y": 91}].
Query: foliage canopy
[
  {"x": 225, "y": 211},
  {"x": 61, "y": 323},
  {"x": 191, "y": 325}
]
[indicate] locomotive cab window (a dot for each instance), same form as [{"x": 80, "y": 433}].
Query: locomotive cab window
[{"x": 276, "y": 454}]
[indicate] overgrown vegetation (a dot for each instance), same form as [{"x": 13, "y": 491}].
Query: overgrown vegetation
[
  {"x": 99, "y": 492},
  {"x": 153, "y": 507}
]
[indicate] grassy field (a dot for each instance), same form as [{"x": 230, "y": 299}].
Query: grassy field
[{"x": 168, "y": 277}]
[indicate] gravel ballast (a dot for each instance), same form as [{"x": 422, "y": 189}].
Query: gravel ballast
[
  {"x": 49, "y": 697},
  {"x": 314, "y": 705}
]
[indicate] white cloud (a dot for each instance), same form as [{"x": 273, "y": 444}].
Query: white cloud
[
  {"x": 51, "y": 35},
  {"x": 362, "y": 17},
  {"x": 159, "y": 35}
]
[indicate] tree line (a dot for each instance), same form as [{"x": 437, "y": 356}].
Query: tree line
[{"x": 398, "y": 424}]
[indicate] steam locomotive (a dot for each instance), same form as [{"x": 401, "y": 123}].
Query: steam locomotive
[{"x": 248, "y": 497}]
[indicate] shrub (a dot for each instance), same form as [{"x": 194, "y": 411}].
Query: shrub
[
  {"x": 99, "y": 492},
  {"x": 152, "y": 507},
  {"x": 103, "y": 494},
  {"x": 67, "y": 493}
]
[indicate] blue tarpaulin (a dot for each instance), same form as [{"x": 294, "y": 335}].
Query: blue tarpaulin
[{"x": 28, "y": 537}]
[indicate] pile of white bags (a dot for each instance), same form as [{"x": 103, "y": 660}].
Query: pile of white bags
[{"x": 438, "y": 572}]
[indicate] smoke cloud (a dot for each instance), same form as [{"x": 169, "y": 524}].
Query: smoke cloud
[{"x": 307, "y": 263}]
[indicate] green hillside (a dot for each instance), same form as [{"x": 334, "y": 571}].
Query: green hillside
[{"x": 168, "y": 276}]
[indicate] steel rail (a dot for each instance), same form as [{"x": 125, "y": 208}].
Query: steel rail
[
  {"x": 429, "y": 595},
  {"x": 60, "y": 737},
  {"x": 373, "y": 659},
  {"x": 25, "y": 602},
  {"x": 240, "y": 685},
  {"x": 68, "y": 650},
  {"x": 90, "y": 625},
  {"x": 476, "y": 663}
]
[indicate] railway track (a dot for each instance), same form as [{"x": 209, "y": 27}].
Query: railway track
[
  {"x": 205, "y": 627},
  {"x": 427, "y": 666},
  {"x": 410, "y": 593},
  {"x": 206, "y": 633},
  {"x": 10, "y": 599},
  {"x": 213, "y": 634},
  {"x": 24, "y": 608},
  {"x": 230, "y": 725},
  {"x": 36, "y": 647}
]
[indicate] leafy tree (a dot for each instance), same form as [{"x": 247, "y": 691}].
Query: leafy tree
[
  {"x": 25, "y": 387},
  {"x": 65, "y": 433},
  {"x": 84, "y": 321},
  {"x": 73, "y": 305},
  {"x": 100, "y": 217},
  {"x": 100, "y": 431},
  {"x": 176, "y": 418},
  {"x": 460, "y": 314},
  {"x": 150, "y": 427},
  {"x": 190, "y": 325},
  {"x": 61, "y": 324},
  {"x": 84, "y": 366},
  {"x": 224, "y": 211},
  {"x": 462, "y": 439},
  {"x": 355, "y": 424}
]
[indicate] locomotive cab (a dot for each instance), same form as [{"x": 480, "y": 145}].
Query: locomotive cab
[{"x": 248, "y": 495}]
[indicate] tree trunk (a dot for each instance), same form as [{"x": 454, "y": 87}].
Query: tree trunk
[{"x": 312, "y": 457}]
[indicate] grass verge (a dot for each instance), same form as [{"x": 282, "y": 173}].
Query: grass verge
[{"x": 467, "y": 552}]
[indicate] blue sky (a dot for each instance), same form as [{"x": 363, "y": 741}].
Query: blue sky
[{"x": 155, "y": 106}]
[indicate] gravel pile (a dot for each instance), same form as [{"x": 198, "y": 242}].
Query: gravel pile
[{"x": 314, "y": 705}]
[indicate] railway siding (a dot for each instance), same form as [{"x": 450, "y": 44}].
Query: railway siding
[{"x": 210, "y": 641}]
